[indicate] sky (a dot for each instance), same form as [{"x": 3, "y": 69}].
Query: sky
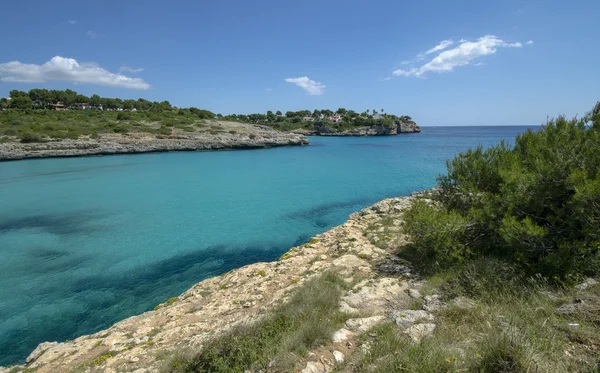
[{"x": 441, "y": 62}]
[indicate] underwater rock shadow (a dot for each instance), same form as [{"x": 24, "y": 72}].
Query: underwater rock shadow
[
  {"x": 65, "y": 224},
  {"x": 132, "y": 293},
  {"x": 317, "y": 214},
  {"x": 75, "y": 170}
]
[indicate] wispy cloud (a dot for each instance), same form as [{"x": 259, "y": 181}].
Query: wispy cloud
[
  {"x": 441, "y": 46},
  {"x": 92, "y": 34},
  {"x": 529, "y": 42},
  {"x": 268, "y": 89},
  {"x": 66, "y": 69},
  {"x": 131, "y": 69},
  {"x": 72, "y": 21},
  {"x": 310, "y": 86},
  {"x": 461, "y": 55}
]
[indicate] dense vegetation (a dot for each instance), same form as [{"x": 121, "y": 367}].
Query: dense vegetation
[
  {"x": 30, "y": 116},
  {"x": 305, "y": 119},
  {"x": 536, "y": 205}
]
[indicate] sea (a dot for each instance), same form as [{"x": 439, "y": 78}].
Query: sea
[{"x": 86, "y": 242}]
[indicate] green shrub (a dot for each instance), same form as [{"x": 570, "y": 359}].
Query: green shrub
[
  {"x": 28, "y": 137},
  {"x": 536, "y": 205},
  {"x": 305, "y": 322},
  {"x": 120, "y": 129},
  {"x": 123, "y": 115},
  {"x": 165, "y": 130}
]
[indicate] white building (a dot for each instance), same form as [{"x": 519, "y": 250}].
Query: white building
[{"x": 335, "y": 118}]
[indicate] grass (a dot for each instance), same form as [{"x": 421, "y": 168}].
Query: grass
[
  {"x": 275, "y": 343},
  {"x": 513, "y": 326}
]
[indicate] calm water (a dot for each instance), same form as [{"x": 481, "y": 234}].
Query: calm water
[{"x": 86, "y": 242}]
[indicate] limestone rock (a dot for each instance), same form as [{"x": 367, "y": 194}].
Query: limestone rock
[
  {"x": 338, "y": 356},
  {"x": 414, "y": 293},
  {"x": 255, "y": 136},
  {"x": 363, "y": 324},
  {"x": 341, "y": 335},
  {"x": 433, "y": 303},
  {"x": 419, "y": 331},
  {"x": 587, "y": 284},
  {"x": 407, "y": 317},
  {"x": 39, "y": 350},
  {"x": 375, "y": 296},
  {"x": 314, "y": 367}
]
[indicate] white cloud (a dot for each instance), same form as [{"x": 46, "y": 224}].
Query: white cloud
[
  {"x": 92, "y": 34},
  {"x": 529, "y": 42},
  {"x": 131, "y": 69},
  {"x": 72, "y": 21},
  {"x": 310, "y": 86},
  {"x": 268, "y": 89},
  {"x": 463, "y": 54},
  {"x": 66, "y": 69},
  {"x": 441, "y": 46}
]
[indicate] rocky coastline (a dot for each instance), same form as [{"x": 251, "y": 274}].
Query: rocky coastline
[
  {"x": 359, "y": 248},
  {"x": 232, "y": 136},
  {"x": 398, "y": 127}
]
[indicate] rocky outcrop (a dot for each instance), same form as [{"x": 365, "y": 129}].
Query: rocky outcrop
[
  {"x": 407, "y": 127},
  {"x": 360, "y": 248},
  {"x": 243, "y": 137},
  {"x": 399, "y": 126}
]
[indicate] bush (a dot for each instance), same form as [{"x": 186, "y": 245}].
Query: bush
[
  {"x": 28, "y": 137},
  {"x": 165, "y": 130},
  {"x": 124, "y": 116},
  {"x": 536, "y": 205}
]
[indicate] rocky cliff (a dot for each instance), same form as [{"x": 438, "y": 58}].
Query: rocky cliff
[
  {"x": 223, "y": 136},
  {"x": 397, "y": 127},
  {"x": 360, "y": 248}
]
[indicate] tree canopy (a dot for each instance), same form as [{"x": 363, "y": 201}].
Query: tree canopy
[{"x": 536, "y": 204}]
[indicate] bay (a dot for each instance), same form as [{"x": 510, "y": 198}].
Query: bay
[{"x": 86, "y": 242}]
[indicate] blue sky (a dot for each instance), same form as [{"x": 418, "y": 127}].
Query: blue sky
[{"x": 510, "y": 62}]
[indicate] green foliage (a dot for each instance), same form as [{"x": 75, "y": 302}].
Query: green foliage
[
  {"x": 536, "y": 205},
  {"x": 124, "y": 115},
  {"x": 305, "y": 322},
  {"x": 317, "y": 119},
  {"x": 27, "y": 137},
  {"x": 21, "y": 102},
  {"x": 440, "y": 236}
]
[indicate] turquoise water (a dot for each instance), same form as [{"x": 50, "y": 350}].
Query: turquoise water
[{"x": 86, "y": 242}]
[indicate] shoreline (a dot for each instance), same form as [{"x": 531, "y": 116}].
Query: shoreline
[
  {"x": 218, "y": 304},
  {"x": 143, "y": 143}
]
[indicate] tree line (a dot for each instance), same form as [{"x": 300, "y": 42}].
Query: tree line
[
  {"x": 325, "y": 114},
  {"x": 46, "y": 99}
]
